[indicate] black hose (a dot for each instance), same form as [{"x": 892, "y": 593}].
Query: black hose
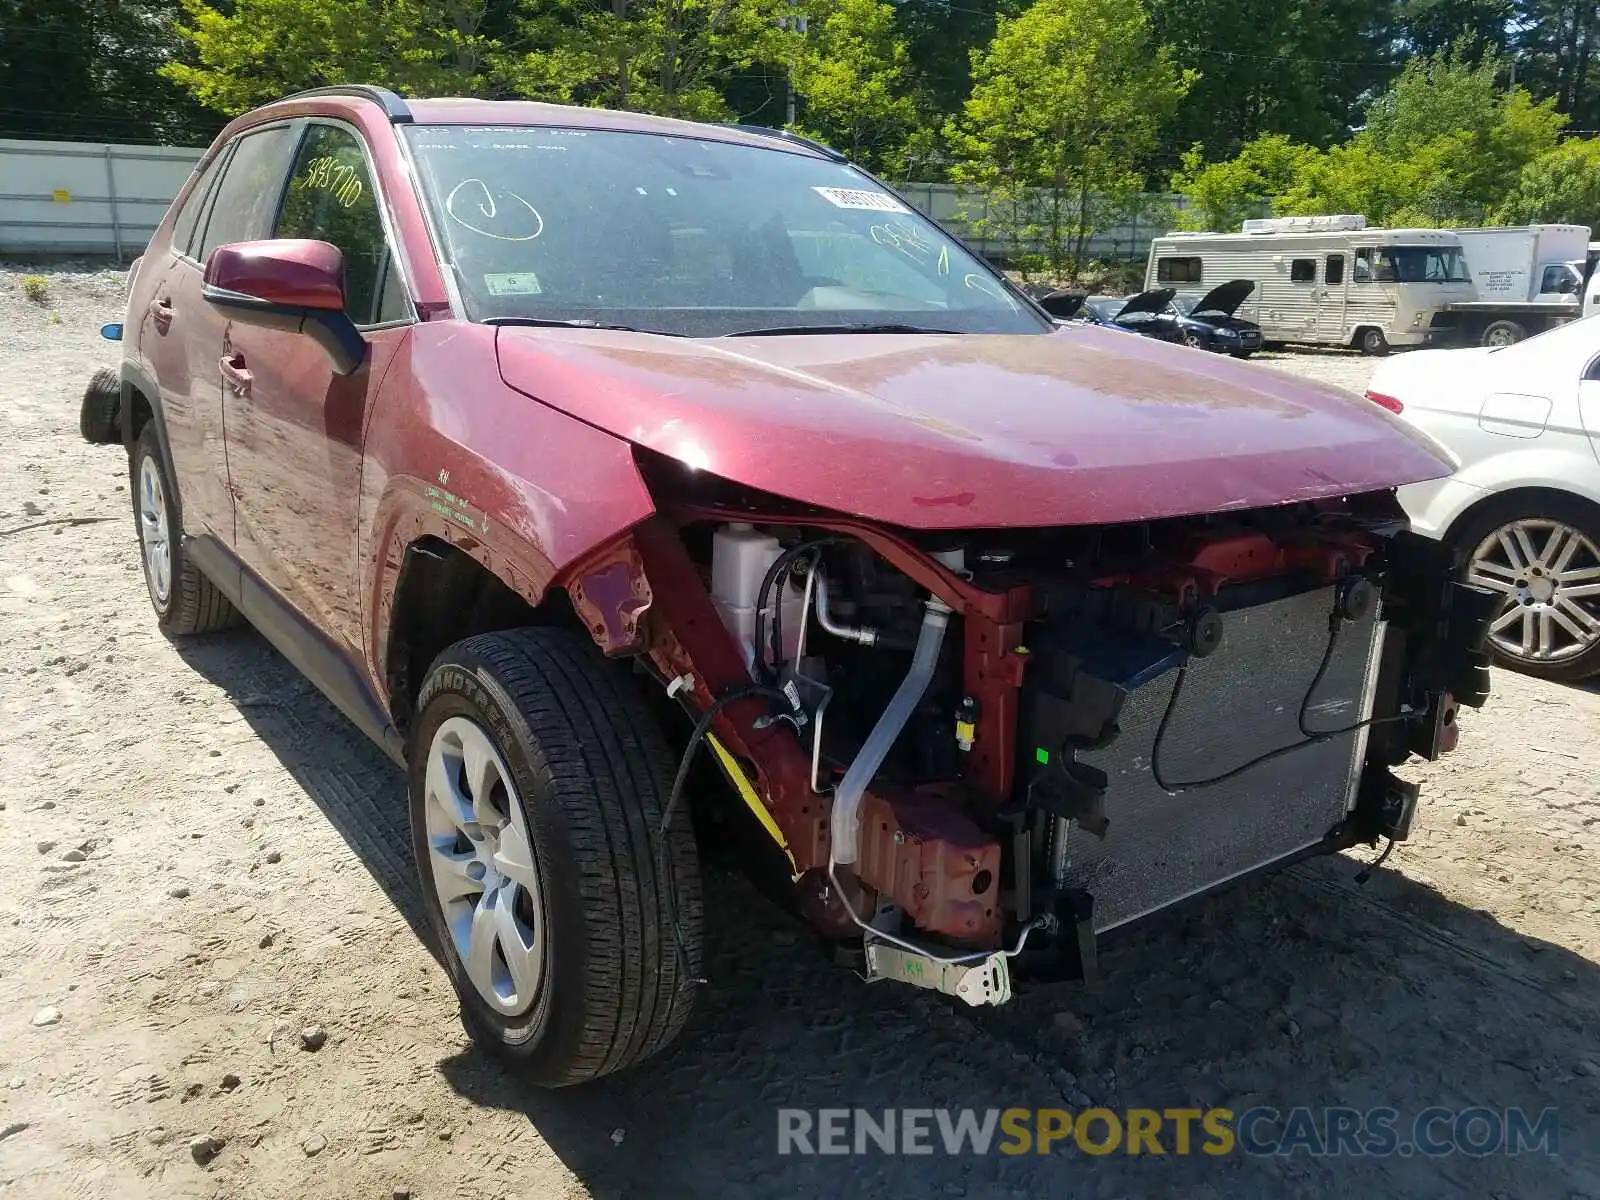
[
  {"x": 779, "y": 567},
  {"x": 701, "y": 729},
  {"x": 1310, "y": 738}
]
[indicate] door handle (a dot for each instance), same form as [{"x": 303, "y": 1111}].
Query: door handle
[
  {"x": 233, "y": 370},
  {"x": 161, "y": 314}
]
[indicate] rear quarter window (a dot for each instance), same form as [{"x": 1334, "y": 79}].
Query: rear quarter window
[{"x": 194, "y": 204}]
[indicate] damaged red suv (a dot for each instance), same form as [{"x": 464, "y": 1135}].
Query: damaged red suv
[{"x": 567, "y": 450}]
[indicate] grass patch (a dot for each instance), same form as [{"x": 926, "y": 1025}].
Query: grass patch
[{"x": 36, "y": 288}]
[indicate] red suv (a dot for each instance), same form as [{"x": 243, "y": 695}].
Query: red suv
[{"x": 556, "y": 445}]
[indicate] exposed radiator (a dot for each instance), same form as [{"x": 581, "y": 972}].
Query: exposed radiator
[{"x": 1242, "y": 700}]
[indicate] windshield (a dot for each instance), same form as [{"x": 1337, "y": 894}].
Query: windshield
[
  {"x": 1184, "y": 305},
  {"x": 690, "y": 237},
  {"x": 1104, "y": 307},
  {"x": 1422, "y": 264}
]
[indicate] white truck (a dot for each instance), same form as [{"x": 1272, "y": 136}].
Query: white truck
[{"x": 1528, "y": 278}]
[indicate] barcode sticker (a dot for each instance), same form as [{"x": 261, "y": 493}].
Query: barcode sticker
[{"x": 860, "y": 198}]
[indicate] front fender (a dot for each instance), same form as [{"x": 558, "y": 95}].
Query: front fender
[{"x": 454, "y": 453}]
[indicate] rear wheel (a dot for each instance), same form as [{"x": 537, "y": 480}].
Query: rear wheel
[
  {"x": 538, "y": 783},
  {"x": 1504, "y": 333},
  {"x": 185, "y": 600},
  {"x": 1371, "y": 341},
  {"x": 1543, "y": 556}
]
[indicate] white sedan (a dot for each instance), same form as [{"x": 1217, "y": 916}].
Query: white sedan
[{"x": 1524, "y": 508}]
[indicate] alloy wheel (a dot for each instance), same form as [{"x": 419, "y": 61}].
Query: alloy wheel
[
  {"x": 1549, "y": 573},
  {"x": 481, "y": 859},
  {"x": 153, "y": 532}
]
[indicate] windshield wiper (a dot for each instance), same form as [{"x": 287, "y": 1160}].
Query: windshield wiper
[
  {"x": 572, "y": 323},
  {"x": 856, "y": 327}
]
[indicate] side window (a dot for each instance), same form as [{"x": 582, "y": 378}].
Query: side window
[
  {"x": 194, "y": 204},
  {"x": 1177, "y": 270},
  {"x": 1333, "y": 269},
  {"x": 1554, "y": 278},
  {"x": 1364, "y": 260},
  {"x": 1303, "y": 270},
  {"x": 331, "y": 198},
  {"x": 249, "y": 191}
]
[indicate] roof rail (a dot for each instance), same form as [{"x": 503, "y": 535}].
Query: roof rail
[
  {"x": 392, "y": 103},
  {"x": 786, "y": 136}
]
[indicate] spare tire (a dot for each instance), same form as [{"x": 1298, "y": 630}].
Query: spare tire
[{"x": 100, "y": 418}]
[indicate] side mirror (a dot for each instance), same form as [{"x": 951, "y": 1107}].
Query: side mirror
[
  {"x": 1567, "y": 286},
  {"x": 291, "y": 284}
]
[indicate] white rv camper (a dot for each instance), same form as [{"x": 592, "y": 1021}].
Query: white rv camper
[{"x": 1324, "y": 280}]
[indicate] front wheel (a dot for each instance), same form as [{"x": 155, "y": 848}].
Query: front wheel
[
  {"x": 570, "y": 931},
  {"x": 1543, "y": 557}
]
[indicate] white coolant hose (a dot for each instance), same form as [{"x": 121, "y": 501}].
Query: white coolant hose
[{"x": 847, "y": 796}]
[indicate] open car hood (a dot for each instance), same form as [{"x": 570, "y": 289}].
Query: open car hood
[
  {"x": 1226, "y": 297},
  {"x": 1082, "y": 426},
  {"x": 1063, "y": 305},
  {"x": 1153, "y": 301}
]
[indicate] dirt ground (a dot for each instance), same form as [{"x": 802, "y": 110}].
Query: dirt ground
[{"x": 207, "y": 865}]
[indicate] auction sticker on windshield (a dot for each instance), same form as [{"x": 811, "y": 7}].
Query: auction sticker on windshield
[
  {"x": 513, "y": 283},
  {"x": 860, "y": 198}
]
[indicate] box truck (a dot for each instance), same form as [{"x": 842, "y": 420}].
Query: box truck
[{"x": 1528, "y": 278}]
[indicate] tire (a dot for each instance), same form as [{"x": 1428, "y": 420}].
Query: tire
[
  {"x": 1536, "y": 590},
  {"x": 588, "y": 771},
  {"x": 186, "y": 602},
  {"x": 1503, "y": 333},
  {"x": 1194, "y": 341},
  {"x": 1370, "y": 341},
  {"x": 100, "y": 417}
]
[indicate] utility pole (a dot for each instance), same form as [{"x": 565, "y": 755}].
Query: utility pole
[{"x": 798, "y": 24}]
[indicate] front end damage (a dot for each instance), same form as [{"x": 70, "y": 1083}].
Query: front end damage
[{"x": 979, "y": 750}]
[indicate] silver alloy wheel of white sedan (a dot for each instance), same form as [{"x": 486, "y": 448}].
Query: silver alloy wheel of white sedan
[
  {"x": 1549, "y": 573},
  {"x": 154, "y": 535},
  {"x": 483, "y": 867}
]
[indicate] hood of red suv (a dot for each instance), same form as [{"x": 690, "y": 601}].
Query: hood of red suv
[{"x": 930, "y": 432}]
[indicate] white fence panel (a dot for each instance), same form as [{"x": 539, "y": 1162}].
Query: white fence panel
[{"x": 86, "y": 197}]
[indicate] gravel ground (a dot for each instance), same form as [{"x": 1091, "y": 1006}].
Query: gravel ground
[{"x": 209, "y": 866}]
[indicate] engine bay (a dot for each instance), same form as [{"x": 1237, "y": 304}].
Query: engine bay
[{"x": 979, "y": 750}]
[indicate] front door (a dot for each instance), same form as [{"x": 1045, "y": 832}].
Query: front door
[{"x": 294, "y": 426}]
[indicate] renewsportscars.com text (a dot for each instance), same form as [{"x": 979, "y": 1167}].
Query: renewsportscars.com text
[{"x": 1374, "y": 1132}]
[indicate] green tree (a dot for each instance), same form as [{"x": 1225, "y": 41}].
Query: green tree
[
  {"x": 253, "y": 51},
  {"x": 1067, "y": 101},
  {"x": 674, "y": 57},
  {"x": 851, "y": 76},
  {"x": 1222, "y": 194},
  {"x": 1444, "y": 145},
  {"x": 1302, "y": 68},
  {"x": 1432, "y": 26},
  {"x": 1558, "y": 52},
  {"x": 1561, "y": 185},
  {"x": 90, "y": 69}
]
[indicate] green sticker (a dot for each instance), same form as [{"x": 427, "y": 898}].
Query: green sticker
[{"x": 1042, "y": 755}]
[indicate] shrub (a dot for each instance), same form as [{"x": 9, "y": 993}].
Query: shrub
[{"x": 36, "y": 288}]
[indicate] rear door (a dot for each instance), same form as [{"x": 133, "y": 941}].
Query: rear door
[
  {"x": 1335, "y": 272},
  {"x": 295, "y": 427},
  {"x": 185, "y": 334}
]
